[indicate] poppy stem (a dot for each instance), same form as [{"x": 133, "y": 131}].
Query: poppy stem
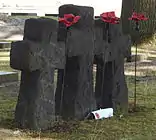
[
  {"x": 64, "y": 75},
  {"x": 137, "y": 26},
  {"x": 135, "y": 81}
]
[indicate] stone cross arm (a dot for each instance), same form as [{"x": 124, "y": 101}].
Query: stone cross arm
[{"x": 30, "y": 56}]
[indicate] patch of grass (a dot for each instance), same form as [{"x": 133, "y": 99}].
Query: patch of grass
[
  {"x": 137, "y": 125},
  {"x": 7, "y": 106}
]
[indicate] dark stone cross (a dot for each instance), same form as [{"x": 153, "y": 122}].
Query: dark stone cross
[
  {"x": 37, "y": 56},
  {"x": 111, "y": 88},
  {"x": 101, "y": 52},
  {"x": 47, "y": 46},
  {"x": 120, "y": 47},
  {"x": 77, "y": 98}
]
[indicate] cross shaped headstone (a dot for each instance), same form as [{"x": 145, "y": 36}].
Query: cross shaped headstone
[
  {"x": 78, "y": 97},
  {"x": 120, "y": 47},
  {"x": 37, "y": 56},
  {"x": 100, "y": 57},
  {"x": 110, "y": 67}
]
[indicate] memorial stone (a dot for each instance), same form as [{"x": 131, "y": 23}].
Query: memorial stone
[
  {"x": 37, "y": 56},
  {"x": 75, "y": 99}
]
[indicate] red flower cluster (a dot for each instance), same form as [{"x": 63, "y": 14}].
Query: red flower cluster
[
  {"x": 137, "y": 17},
  {"x": 109, "y": 17},
  {"x": 69, "y": 19}
]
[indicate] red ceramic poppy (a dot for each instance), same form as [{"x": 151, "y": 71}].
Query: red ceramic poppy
[
  {"x": 109, "y": 17},
  {"x": 138, "y": 17},
  {"x": 69, "y": 19}
]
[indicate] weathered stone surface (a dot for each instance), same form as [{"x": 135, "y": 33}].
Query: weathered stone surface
[
  {"x": 78, "y": 97},
  {"x": 36, "y": 103},
  {"x": 39, "y": 30},
  {"x": 39, "y": 56},
  {"x": 120, "y": 90},
  {"x": 110, "y": 71},
  {"x": 120, "y": 43},
  {"x": 104, "y": 84},
  {"x": 79, "y": 37},
  {"x": 101, "y": 52},
  {"x": 20, "y": 56},
  {"x": 75, "y": 83},
  {"x": 30, "y": 56},
  {"x": 101, "y": 39}
]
